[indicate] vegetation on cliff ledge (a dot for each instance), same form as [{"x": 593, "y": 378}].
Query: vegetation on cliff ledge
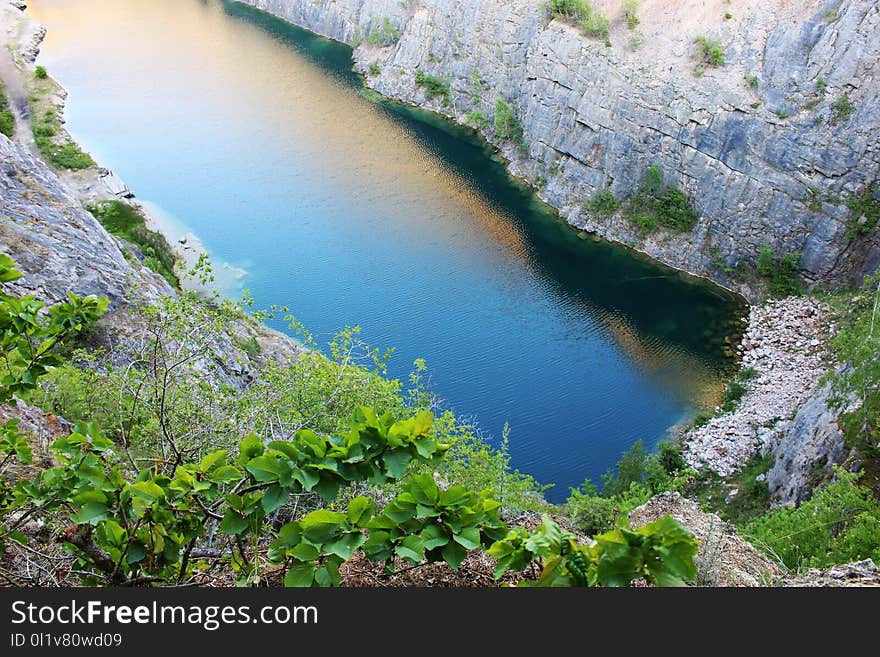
[
  {"x": 128, "y": 222},
  {"x": 7, "y": 120}
]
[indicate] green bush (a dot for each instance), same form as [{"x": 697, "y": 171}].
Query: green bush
[
  {"x": 659, "y": 204},
  {"x": 840, "y": 524},
  {"x": 40, "y": 73},
  {"x": 604, "y": 203},
  {"x": 477, "y": 118},
  {"x": 127, "y": 222},
  {"x": 382, "y": 32},
  {"x": 780, "y": 272},
  {"x": 864, "y": 211},
  {"x": 44, "y": 130},
  {"x": 674, "y": 210},
  {"x": 733, "y": 393},
  {"x": 630, "y": 469},
  {"x": 7, "y": 120},
  {"x": 629, "y": 11},
  {"x": 582, "y": 14},
  {"x": 507, "y": 126},
  {"x": 709, "y": 51},
  {"x": 573, "y": 11},
  {"x": 596, "y": 26},
  {"x": 374, "y": 69},
  {"x": 592, "y": 513},
  {"x": 857, "y": 344},
  {"x": 652, "y": 182},
  {"x": 637, "y": 477},
  {"x": 702, "y": 418},
  {"x": 64, "y": 155},
  {"x": 842, "y": 109},
  {"x": 433, "y": 86}
]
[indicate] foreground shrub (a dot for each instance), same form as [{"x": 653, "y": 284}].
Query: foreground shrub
[{"x": 841, "y": 523}]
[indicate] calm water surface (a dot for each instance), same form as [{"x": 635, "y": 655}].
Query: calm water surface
[{"x": 259, "y": 138}]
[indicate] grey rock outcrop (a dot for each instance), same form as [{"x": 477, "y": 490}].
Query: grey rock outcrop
[
  {"x": 766, "y": 158},
  {"x": 811, "y": 445},
  {"x": 58, "y": 245}
]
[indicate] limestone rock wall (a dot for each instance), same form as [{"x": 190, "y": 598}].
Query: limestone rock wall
[{"x": 805, "y": 456}]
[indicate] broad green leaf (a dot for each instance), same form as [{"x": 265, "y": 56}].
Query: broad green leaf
[
  {"x": 136, "y": 553},
  {"x": 426, "y": 447},
  {"x": 90, "y": 496},
  {"x": 287, "y": 448},
  {"x": 411, "y": 548},
  {"x": 233, "y": 522},
  {"x": 321, "y": 526},
  {"x": 274, "y": 497},
  {"x": 455, "y": 496},
  {"x": 310, "y": 441},
  {"x": 424, "y": 489},
  {"x": 146, "y": 489},
  {"x": 290, "y": 534},
  {"x": 345, "y": 546},
  {"x": 91, "y": 512},
  {"x": 396, "y": 463},
  {"x": 468, "y": 538},
  {"x": 249, "y": 448},
  {"x": 213, "y": 460},
  {"x": 322, "y": 577},
  {"x": 360, "y": 509},
  {"x": 423, "y": 511},
  {"x": 113, "y": 532},
  {"x": 399, "y": 510},
  {"x": 305, "y": 552},
  {"x": 454, "y": 554},
  {"x": 266, "y": 468},
  {"x": 224, "y": 474},
  {"x": 301, "y": 574},
  {"x": 678, "y": 561},
  {"x": 433, "y": 537},
  {"x": 327, "y": 487}
]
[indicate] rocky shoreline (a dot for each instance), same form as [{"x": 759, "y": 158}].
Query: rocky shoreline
[{"x": 785, "y": 353}]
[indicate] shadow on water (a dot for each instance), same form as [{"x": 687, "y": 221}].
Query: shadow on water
[{"x": 694, "y": 315}]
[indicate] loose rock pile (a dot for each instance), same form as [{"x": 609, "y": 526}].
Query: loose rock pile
[
  {"x": 859, "y": 573},
  {"x": 786, "y": 343}
]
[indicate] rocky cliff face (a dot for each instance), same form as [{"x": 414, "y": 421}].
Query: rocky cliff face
[
  {"x": 757, "y": 143},
  {"x": 57, "y": 244},
  {"x": 809, "y": 449}
]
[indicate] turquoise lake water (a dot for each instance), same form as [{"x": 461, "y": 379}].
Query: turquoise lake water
[{"x": 257, "y": 137}]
